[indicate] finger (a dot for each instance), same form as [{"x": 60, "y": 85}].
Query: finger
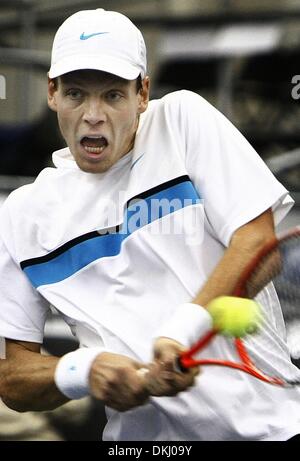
[
  {"x": 159, "y": 380},
  {"x": 166, "y": 385},
  {"x": 142, "y": 372},
  {"x": 153, "y": 381}
]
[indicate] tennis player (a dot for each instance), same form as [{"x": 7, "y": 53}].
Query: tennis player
[{"x": 152, "y": 210}]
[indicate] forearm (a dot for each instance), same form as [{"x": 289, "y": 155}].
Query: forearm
[
  {"x": 245, "y": 243},
  {"x": 225, "y": 276},
  {"x": 27, "y": 378},
  {"x": 27, "y": 382}
]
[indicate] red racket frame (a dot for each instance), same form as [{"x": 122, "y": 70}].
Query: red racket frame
[{"x": 186, "y": 359}]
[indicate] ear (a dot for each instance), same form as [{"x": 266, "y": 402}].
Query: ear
[
  {"x": 52, "y": 90},
  {"x": 144, "y": 94}
]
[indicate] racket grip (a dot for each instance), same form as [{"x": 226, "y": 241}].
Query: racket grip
[{"x": 178, "y": 365}]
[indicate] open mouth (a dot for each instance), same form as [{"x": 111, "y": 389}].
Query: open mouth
[{"x": 94, "y": 144}]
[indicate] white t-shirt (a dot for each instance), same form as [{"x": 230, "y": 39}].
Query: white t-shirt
[{"x": 118, "y": 287}]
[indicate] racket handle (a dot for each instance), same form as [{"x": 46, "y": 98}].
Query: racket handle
[{"x": 178, "y": 365}]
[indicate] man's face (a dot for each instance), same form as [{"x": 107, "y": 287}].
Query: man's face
[{"x": 98, "y": 116}]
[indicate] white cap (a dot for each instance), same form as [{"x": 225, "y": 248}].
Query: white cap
[{"x": 100, "y": 40}]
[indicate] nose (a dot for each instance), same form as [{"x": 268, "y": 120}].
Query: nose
[{"x": 94, "y": 112}]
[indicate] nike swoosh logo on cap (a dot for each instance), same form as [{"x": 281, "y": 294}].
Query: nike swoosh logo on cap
[{"x": 85, "y": 37}]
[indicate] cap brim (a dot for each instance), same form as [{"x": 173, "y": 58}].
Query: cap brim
[{"x": 117, "y": 67}]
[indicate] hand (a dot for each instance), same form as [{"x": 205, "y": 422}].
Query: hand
[
  {"x": 162, "y": 378},
  {"x": 114, "y": 379}
]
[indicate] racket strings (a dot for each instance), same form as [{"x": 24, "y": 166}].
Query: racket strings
[
  {"x": 282, "y": 267},
  {"x": 268, "y": 268},
  {"x": 287, "y": 282}
]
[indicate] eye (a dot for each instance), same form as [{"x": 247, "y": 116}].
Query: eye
[
  {"x": 114, "y": 96},
  {"x": 74, "y": 94}
]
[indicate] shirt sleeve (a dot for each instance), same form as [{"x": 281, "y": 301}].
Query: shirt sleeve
[
  {"x": 234, "y": 182},
  {"x": 23, "y": 311}
]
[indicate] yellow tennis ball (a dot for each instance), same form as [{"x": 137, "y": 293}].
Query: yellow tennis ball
[{"x": 234, "y": 316}]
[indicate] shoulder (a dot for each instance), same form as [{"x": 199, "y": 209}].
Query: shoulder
[
  {"x": 15, "y": 200},
  {"x": 183, "y": 106},
  {"x": 29, "y": 209},
  {"x": 23, "y": 197},
  {"x": 179, "y": 98}
]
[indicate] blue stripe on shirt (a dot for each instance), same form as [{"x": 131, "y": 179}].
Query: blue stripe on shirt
[{"x": 137, "y": 215}]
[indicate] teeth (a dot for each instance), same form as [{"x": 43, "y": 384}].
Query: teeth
[
  {"x": 94, "y": 144},
  {"x": 93, "y": 137},
  {"x": 94, "y": 150}
]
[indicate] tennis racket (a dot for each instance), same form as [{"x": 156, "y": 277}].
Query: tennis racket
[{"x": 278, "y": 262}]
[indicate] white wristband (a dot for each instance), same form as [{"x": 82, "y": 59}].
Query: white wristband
[
  {"x": 188, "y": 323},
  {"x": 72, "y": 372}
]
